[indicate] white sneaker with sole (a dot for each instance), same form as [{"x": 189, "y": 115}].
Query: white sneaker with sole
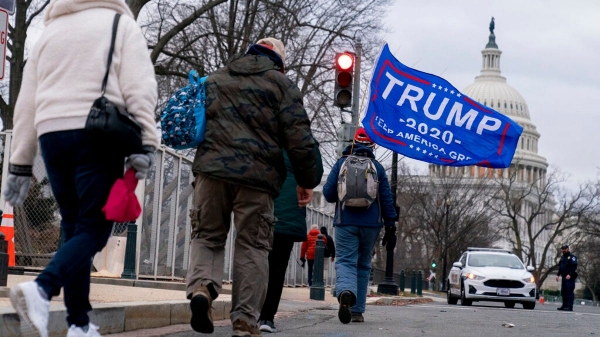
[
  {"x": 75, "y": 331},
  {"x": 32, "y": 308}
]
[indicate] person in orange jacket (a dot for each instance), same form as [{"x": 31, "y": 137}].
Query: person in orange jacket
[{"x": 307, "y": 251}]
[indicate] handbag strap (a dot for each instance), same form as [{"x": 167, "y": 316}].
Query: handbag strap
[{"x": 110, "y": 52}]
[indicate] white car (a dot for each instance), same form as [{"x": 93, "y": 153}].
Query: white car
[{"x": 487, "y": 274}]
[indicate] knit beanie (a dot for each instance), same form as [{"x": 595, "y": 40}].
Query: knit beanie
[{"x": 274, "y": 44}]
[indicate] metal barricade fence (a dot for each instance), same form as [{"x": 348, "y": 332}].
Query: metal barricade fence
[
  {"x": 297, "y": 276},
  {"x": 37, "y": 222},
  {"x": 165, "y": 230}
]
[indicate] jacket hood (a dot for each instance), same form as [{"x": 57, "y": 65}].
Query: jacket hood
[
  {"x": 324, "y": 230},
  {"x": 57, "y": 8},
  {"x": 251, "y": 64},
  {"x": 358, "y": 149}
]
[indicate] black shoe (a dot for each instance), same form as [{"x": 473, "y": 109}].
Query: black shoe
[
  {"x": 560, "y": 308},
  {"x": 201, "y": 312},
  {"x": 568, "y": 309},
  {"x": 344, "y": 313},
  {"x": 357, "y": 317}
]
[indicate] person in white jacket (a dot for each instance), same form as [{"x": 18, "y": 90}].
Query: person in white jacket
[{"x": 62, "y": 78}]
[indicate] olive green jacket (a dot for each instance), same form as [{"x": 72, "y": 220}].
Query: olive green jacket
[{"x": 253, "y": 113}]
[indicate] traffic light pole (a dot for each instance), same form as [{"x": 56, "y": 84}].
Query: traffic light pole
[{"x": 356, "y": 88}]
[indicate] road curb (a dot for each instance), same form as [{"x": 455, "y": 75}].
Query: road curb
[{"x": 119, "y": 317}]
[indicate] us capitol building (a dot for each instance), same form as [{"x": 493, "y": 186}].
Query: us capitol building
[
  {"x": 490, "y": 89},
  {"x": 527, "y": 167}
]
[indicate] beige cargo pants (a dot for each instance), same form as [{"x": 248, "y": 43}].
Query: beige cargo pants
[{"x": 215, "y": 202}]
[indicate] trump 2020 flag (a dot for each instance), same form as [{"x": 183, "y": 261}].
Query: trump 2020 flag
[{"x": 424, "y": 117}]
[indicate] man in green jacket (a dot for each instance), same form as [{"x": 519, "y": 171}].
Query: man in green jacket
[
  {"x": 289, "y": 228},
  {"x": 253, "y": 113}
]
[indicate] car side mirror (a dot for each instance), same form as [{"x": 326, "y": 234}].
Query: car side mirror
[
  {"x": 530, "y": 268},
  {"x": 457, "y": 265}
]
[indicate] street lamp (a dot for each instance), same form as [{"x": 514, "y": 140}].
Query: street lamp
[{"x": 447, "y": 204}]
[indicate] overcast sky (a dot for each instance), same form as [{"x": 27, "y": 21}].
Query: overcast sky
[{"x": 550, "y": 55}]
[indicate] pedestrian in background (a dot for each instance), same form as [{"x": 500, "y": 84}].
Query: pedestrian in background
[
  {"x": 289, "y": 228},
  {"x": 307, "y": 251},
  {"x": 330, "y": 247},
  {"x": 567, "y": 269},
  {"x": 252, "y": 110},
  {"x": 357, "y": 230},
  {"x": 62, "y": 78}
]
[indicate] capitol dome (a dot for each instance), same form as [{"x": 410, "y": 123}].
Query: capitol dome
[{"x": 490, "y": 89}]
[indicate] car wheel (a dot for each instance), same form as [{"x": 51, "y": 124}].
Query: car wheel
[
  {"x": 463, "y": 298},
  {"x": 509, "y": 304},
  {"x": 529, "y": 305},
  {"x": 451, "y": 300}
]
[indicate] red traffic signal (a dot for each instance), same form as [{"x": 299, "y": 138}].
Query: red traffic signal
[
  {"x": 344, "y": 73},
  {"x": 344, "y": 61}
]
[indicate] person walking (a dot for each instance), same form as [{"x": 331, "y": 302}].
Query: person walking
[
  {"x": 59, "y": 86},
  {"x": 330, "y": 247},
  {"x": 567, "y": 269},
  {"x": 252, "y": 111},
  {"x": 307, "y": 251},
  {"x": 357, "y": 230},
  {"x": 289, "y": 228}
]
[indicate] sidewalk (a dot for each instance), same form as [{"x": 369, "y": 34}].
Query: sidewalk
[{"x": 127, "y": 305}]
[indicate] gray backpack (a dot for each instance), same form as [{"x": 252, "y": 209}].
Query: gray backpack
[{"x": 357, "y": 182}]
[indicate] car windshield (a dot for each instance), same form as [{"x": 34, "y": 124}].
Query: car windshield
[{"x": 495, "y": 260}]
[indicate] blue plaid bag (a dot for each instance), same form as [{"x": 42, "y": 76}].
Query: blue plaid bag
[{"x": 183, "y": 119}]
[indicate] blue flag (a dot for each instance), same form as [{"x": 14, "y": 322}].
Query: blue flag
[{"x": 424, "y": 117}]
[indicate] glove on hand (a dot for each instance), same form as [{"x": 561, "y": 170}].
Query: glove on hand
[
  {"x": 141, "y": 162},
  {"x": 303, "y": 261},
  {"x": 389, "y": 238},
  {"x": 17, "y": 187}
]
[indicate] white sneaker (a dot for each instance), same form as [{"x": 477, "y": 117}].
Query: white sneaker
[
  {"x": 75, "y": 331},
  {"x": 32, "y": 308}
]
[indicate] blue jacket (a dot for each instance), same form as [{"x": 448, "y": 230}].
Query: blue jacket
[{"x": 382, "y": 210}]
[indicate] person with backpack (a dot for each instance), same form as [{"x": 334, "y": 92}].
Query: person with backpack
[
  {"x": 307, "y": 251},
  {"x": 253, "y": 114},
  {"x": 358, "y": 184}
]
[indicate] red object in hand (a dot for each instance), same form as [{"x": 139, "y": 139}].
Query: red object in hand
[{"x": 122, "y": 204}]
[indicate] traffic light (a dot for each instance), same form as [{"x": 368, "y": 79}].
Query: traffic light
[
  {"x": 344, "y": 74},
  {"x": 433, "y": 265}
]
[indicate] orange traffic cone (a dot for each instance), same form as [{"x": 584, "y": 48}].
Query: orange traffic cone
[
  {"x": 8, "y": 228},
  {"x": 542, "y": 300}
]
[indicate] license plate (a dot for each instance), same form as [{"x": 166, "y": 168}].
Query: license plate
[{"x": 503, "y": 291}]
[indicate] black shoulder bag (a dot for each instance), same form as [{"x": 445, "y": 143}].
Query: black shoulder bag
[{"x": 109, "y": 124}]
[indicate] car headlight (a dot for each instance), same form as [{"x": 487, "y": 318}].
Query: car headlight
[
  {"x": 472, "y": 276},
  {"x": 529, "y": 280}
]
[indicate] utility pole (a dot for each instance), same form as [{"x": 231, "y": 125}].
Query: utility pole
[
  {"x": 388, "y": 286},
  {"x": 447, "y": 204}
]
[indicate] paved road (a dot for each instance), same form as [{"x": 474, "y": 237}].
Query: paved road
[{"x": 433, "y": 319}]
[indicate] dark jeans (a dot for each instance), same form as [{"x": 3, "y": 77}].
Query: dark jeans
[
  {"x": 311, "y": 264},
  {"x": 278, "y": 262},
  {"x": 567, "y": 291},
  {"x": 81, "y": 176}
]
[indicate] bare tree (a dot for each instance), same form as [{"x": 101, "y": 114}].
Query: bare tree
[
  {"x": 537, "y": 213},
  {"x": 312, "y": 32},
  {"x": 26, "y": 12},
  {"x": 440, "y": 217},
  {"x": 588, "y": 253}
]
